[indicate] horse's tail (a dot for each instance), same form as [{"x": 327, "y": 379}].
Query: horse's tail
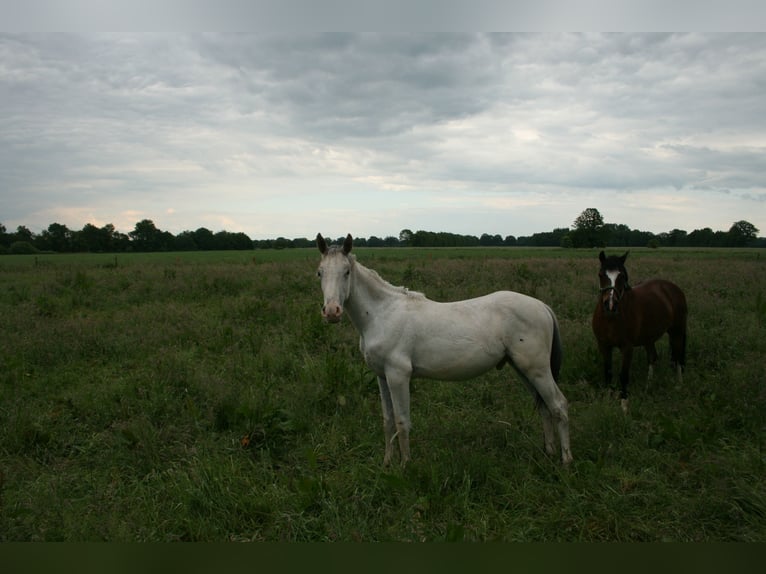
[{"x": 557, "y": 350}]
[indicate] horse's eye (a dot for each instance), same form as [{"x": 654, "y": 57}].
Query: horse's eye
[
  {"x": 319, "y": 273},
  {"x": 348, "y": 272}
]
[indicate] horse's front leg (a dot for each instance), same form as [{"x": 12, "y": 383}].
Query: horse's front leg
[
  {"x": 606, "y": 355},
  {"x": 399, "y": 387},
  {"x": 389, "y": 427},
  {"x": 627, "y": 357}
]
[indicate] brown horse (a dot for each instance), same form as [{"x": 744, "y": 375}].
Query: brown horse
[{"x": 626, "y": 317}]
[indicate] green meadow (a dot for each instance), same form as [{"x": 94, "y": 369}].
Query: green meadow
[{"x": 200, "y": 397}]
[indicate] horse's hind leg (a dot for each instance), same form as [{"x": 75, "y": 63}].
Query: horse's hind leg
[
  {"x": 554, "y": 410},
  {"x": 651, "y": 359},
  {"x": 549, "y": 435},
  {"x": 678, "y": 350},
  {"x": 533, "y": 364},
  {"x": 558, "y": 412}
]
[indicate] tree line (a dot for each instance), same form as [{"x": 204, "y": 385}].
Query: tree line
[
  {"x": 144, "y": 237},
  {"x": 588, "y": 230}
]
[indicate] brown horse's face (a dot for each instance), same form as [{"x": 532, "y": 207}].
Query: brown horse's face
[{"x": 613, "y": 280}]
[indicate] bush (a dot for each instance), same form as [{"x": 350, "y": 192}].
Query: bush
[{"x": 22, "y": 248}]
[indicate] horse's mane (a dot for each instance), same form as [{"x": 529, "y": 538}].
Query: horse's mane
[
  {"x": 376, "y": 276},
  {"x": 338, "y": 250}
]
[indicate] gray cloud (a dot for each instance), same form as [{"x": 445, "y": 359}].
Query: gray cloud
[{"x": 231, "y": 129}]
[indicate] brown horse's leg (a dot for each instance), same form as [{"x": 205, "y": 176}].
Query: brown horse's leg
[
  {"x": 678, "y": 350},
  {"x": 627, "y": 357},
  {"x": 651, "y": 358},
  {"x": 606, "y": 354}
]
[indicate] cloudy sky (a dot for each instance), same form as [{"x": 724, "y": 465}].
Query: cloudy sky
[{"x": 291, "y": 134}]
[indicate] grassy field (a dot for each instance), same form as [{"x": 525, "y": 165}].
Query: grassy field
[{"x": 199, "y": 396}]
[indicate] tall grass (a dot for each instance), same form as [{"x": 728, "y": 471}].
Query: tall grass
[{"x": 190, "y": 398}]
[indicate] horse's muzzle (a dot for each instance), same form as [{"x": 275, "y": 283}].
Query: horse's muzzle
[
  {"x": 610, "y": 307},
  {"x": 332, "y": 312},
  {"x": 609, "y": 300}
]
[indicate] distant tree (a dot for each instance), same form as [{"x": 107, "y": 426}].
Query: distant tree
[
  {"x": 97, "y": 239},
  {"x": 639, "y": 238},
  {"x": 204, "y": 239},
  {"x": 223, "y": 241},
  {"x": 165, "y": 241},
  {"x": 675, "y": 238},
  {"x": 281, "y": 243},
  {"x": 374, "y": 241},
  {"x": 589, "y": 230},
  {"x": 702, "y": 238},
  {"x": 115, "y": 241},
  {"x": 23, "y": 234},
  {"x": 488, "y": 240},
  {"x": 57, "y": 238},
  {"x": 405, "y": 237},
  {"x": 185, "y": 241},
  {"x": 442, "y": 239},
  {"x": 302, "y": 242},
  {"x": 145, "y": 236},
  {"x": 741, "y": 233},
  {"x": 590, "y": 218},
  {"x": 544, "y": 239},
  {"x": 619, "y": 234},
  {"x": 119, "y": 241},
  {"x": 509, "y": 240},
  {"x": 236, "y": 241}
]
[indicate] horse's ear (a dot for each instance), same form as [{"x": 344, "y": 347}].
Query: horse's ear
[
  {"x": 624, "y": 257},
  {"x": 347, "y": 244},
  {"x": 602, "y": 257},
  {"x": 321, "y": 244}
]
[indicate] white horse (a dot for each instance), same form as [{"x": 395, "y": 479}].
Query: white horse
[{"x": 403, "y": 335}]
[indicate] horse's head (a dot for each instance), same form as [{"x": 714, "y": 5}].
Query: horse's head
[
  {"x": 335, "y": 275},
  {"x": 613, "y": 279}
]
